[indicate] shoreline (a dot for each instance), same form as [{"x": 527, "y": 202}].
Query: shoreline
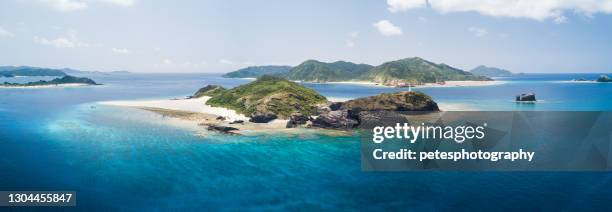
[
  {"x": 66, "y": 85},
  {"x": 201, "y": 115},
  {"x": 198, "y": 115}
]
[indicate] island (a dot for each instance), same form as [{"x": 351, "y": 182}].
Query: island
[
  {"x": 272, "y": 103},
  {"x": 604, "y": 78},
  {"x": 268, "y": 98},
  {"x": 417, "y": 71},
  {"x": 257, "y": 71},
  {"x": 316, "y": 71},
  {"x": 64, "y": 81},
  {"x": 490, "y": 71},
  {"x": 29, "y": 71},
  {"x": 406, "y": 72}
]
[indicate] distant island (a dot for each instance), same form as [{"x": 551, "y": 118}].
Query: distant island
[
  {"x": 405, "y": 72},
  {"x": 416, "y": 71},
  {"x": 73, "y": 71},
  {"x": 490, "y": 71},
  {"x": 13, "y": 71},
  {"x": 256, "y": 71},
  {"x": 604, "y": 78},
  {"x": 65, "y": 80},
  {"x": 29, "y": 71},
  {"x": 316, "y": 71}
]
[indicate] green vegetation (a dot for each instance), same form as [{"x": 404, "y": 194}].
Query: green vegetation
[
  {"x": 269, "y": 94},
  {"x": 490, "y": 72},
  {"x": 417, "y": 70},
  {"x": 316, "y": 71},
  {"x": 29, "y": 71},
  {"x": 209, "y": 90},
  {"x": 399, "y": 101},
  {"x": 256, "y": 71},
  {"x": 409, "y": 70},
  {"x": 57, "y": 81}
]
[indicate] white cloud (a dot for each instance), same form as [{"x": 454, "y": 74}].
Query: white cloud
[
  {"x": 422, "y": 19},
  {"x": 537, "y": 10},
  {"x": 121, "y": 50},
  {"x": 403, "y": 5},
  {"x": 61, "y": 42},
  {"x": 478, "y": 31},
  {"x": 386, "y": 28},
  {"x": 74, "y": 5},
  {"x": 226, "y": 62},
  {"x": 123, "y": 3},
  {"x": 350, "y": 43},
  {"x": 167, "y": 62},
  {"x": 66, "y": 5},
  {"x": 5, "y": 33},
  {"x": 560, "y": 20}
]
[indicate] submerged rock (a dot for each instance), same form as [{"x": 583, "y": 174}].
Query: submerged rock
[
  {"x": 222, "y": 129},
  {"x": 526, "y": 97}
]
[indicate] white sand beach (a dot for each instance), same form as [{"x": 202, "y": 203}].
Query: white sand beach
[
  {"x": 197, "y": 105},
  {"x": 196, "y": 112}
]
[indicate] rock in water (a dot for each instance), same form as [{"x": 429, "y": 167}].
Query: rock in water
[
  {"x": 222, "y": 129},
  {"x": 262, "y": 117},
  {"x": 604, "y": 78},
  {"x": 526, "y": 97}
]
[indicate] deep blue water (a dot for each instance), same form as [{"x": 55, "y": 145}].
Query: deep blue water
[{"x": 124, "y": 159}]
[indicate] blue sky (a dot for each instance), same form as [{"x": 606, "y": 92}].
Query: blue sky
[{"x": 219, "y": 36}]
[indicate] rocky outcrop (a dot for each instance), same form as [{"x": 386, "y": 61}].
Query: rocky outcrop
[
  {"x": 604, "y": 78},
  {"x": 338, "y": 119},
  {"x": 526, "y": 97},
  {"x": 351, "y": 114},
  {"x": 297, "y": 119},
  {"x": 262, "y": 117},
  {"x": 400, "y": 101}
]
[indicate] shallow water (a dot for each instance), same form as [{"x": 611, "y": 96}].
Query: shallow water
[{"x": 122, "y": 158}]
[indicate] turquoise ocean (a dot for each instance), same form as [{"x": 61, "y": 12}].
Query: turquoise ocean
[{"x": 119, "y": 158}]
